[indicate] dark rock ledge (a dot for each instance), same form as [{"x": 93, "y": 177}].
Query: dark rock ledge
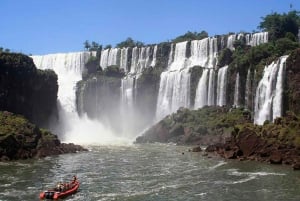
[{"x": 20, "y": 139}]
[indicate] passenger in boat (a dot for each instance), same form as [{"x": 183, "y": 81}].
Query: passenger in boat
[{"x": 74, "y": 179}]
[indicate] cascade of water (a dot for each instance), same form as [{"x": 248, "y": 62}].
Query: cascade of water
[
  {"x": 153, "y": 63},
  {"x": 171, "y": 55},
  {"x": 104, "y": 58},
  {"x": 230, "y": 41},
  {"x": 110, "y": 57},
  {"x": 248, "y": 89},
  {"x": 204, "y": 52},
  {"x": 69, "y": 67},
  {"x": 174, "y": 88},
  {"x": 211, "y": 88},
  {"x": 124, "y": 59},
  {"x": 127, "y": 86},
  {"x": 140, "y": 59},
  {"x": 222, "y": 86},
  {"x": 268, "y": 98},
  {"x": 236, "y": 90},
  {"x": 258, "y": 38},
  {"x": 201, "y": 98}
]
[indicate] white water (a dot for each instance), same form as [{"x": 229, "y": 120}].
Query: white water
[
  {"x": 248, "y": 89},
  {"x": 72, "y": 128},
  {"x": 153, "y": 63},
  {"x": 204, "y": 52},
  {"x": 109, "y": 57},
  {"x": 174, "y": 88},
  {"x": 124, "y": 59},
  {"x": 221, "y": 86},
  {"x": 140, "y": 59},
  {"x": 230, "y": 41},
  {"x": 236, "y": 90},
  {"x": 201, "y": 98},
  {"x": 258, "y": 38},
  {"x": 268, "y": 98}
]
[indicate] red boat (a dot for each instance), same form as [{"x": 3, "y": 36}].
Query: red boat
[{"x": 62, "y": 190}]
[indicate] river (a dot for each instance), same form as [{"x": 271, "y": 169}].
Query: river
[{"x": 149, "y": 172}]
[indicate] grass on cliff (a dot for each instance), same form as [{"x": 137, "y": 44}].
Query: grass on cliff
[{"x": 14, "y": 124}]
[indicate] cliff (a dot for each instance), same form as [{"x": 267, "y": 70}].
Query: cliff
[
  {"x": 20, "y": 139},
  {"x": 26, "y": 90}
]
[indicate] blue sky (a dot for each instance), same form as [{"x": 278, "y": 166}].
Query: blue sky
[{"x": 52, "y": 26}]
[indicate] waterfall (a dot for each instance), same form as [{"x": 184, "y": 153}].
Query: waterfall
[
  {"x": 258, "y": 38},
  {"x": 124, "y": 59},
  {"x": 110, "y": 57},
  {"x": 230, "y": 41},
  {"x": 211, "y": 88},
  {"x": 222, "y": 86},
  {"x": 204, "y": 52},
  {"x": 268, "y": 98},
  {"x": 153, "y": 63},
  {"x": 248, "y": 90},
  {"x": 236, "y": 90},
  {"x": 71, "y": 127},
  {"x": 201, "y": 98},
  {"x": 174, "y": 88},
  {"x": 68, "y": 67},
  {"x": 140, "y": 59}
]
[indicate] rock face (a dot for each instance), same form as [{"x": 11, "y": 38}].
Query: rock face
[
  {"x": 26, "y": 90},
  {"x": 277, "y": 143},
  {"x": 20, "y": 139},
  {"x": 292, "y": 89},
  {"x": 203, "y": 126}
]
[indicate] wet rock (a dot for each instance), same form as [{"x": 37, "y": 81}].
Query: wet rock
[
  {"x": 196, "y": 149},
  {"x": 276, "y": 158}
]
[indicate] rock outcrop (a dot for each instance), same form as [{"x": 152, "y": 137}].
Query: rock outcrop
[
  {"x": 20, "y": 139},
  {"x": 277, "y": 143},
  {"x": 203, "y": 126},
  {"x": 26, "y": 90}
]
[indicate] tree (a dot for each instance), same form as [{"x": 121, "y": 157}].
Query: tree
[
  {"x": 191, "y": 36},
  {"x": 129, "y": 42},
  {"x": 108, "y": 46},
  {"x": 279, "y": 24},
  {"x": 86, "y": 45}
]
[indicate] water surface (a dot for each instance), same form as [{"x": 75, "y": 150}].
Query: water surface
[{"x": 149, "y": 172}]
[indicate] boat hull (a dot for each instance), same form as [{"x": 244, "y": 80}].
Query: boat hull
[{"x": 55, "y": 195}]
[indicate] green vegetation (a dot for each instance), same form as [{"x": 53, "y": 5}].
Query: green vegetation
[
  {"x": 129, "y": 42},
  {"x": 190, "y": 36},
  {"x": 92, "y": 46},
  {"x": 279, "y": 25},
  {"x": 4, "y": 50}
]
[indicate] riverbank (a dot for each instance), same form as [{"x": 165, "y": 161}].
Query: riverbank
[
  {"x": 230, "y": 133},
  {"x": 20, "y": 139}
]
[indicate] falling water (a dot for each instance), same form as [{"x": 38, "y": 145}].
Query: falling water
[
  {"x": 124, "y": 59},
  {"x": 258, "y": 38},
  {"x": 222, "y": 86},
  {"x": 153, "y": 63},
  {"x": 201, "y": 98},
  {"x": 236, "y": 90},
  {"x": 230, "y": 41},
  {"x": 248, "y": 89},
  {"x": 174, "y": 88},
  {"x": 211, "y": 88},
  {"x": 110, "y": 57},
  {"x": 268, "y": 98},
  {"x": 204, "y": 52},
  {"x": 69, "y": 67}
]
